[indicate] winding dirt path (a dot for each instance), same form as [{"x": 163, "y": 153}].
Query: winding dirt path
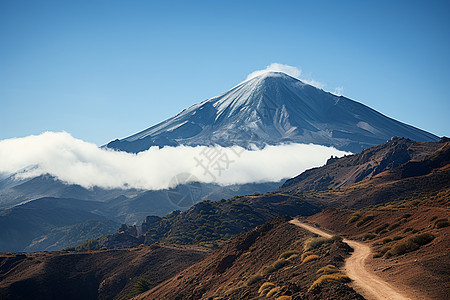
[{"x": 368, "y": 284}]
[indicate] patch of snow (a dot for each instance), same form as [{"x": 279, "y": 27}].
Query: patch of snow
[{"x": 367, "y": 127}]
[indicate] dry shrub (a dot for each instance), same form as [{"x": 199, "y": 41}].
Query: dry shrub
[
  {"x": 265, "y": 288},
  {"x": 409, "y": 245},
  {"x": 292, "y": 257},
  {"x": 314, "y": 243},
  {"x": 267, "y": 270},
  {"x": 310, "y": 258},
  {"x": 353, "y": 219},
  {"x": 288, "y": 254},
  {"x": 338, "y": 277},
  {"x": 367, "y": 218},
  {"x": 280, "y": 263},
  {"x": 253, "y": 279},
  {"x": 273, "y": 292},
  {"x": 381, "y": 252},
  {"x": 305, "y": 255},
  {"x": 284, "y": 298},
  {"x": 329, "y": 269}
]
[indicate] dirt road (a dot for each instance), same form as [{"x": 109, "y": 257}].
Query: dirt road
[{"x": 366, "y": 283}]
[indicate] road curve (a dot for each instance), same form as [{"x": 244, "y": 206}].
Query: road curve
[{"x": 368, "y": 284}]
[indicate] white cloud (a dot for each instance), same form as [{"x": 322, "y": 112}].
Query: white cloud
[
  {"x": 338, "y": 91},
  {"x": 276, "y": 67},
  {"x": 77, "y": 162},
  {"x": 290, "y": 70},
  {"x": 315, "y": 83}
]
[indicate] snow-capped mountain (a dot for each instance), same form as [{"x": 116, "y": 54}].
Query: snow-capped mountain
[{"x": 274, "y": 108}]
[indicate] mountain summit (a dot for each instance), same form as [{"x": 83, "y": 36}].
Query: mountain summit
[{"x": 274, "y": 108}]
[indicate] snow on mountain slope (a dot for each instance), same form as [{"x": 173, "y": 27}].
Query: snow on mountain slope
[{"x": 274, "y": 108}]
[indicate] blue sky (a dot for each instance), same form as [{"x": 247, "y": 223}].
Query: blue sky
[{"x": 102, "y": 70}]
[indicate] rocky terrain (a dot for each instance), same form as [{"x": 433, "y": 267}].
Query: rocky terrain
[
  {"x": 105, "y": 274},
  {"x": 247, "y": 250},
  {"x": 273, "y": 260}
]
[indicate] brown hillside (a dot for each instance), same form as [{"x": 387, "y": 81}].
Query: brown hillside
[
  {"x": 106, "y": 274},
  {"x": 366, "y": 164},
  {"x": 424, "y": 272},
  {"x": 242, "y": 266}
]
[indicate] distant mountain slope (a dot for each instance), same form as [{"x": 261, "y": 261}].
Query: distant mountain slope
[
  {"x": 13, "y": 191},
  {"x": 24, "y": 223},
  {"x": 53, "y": 223},
  {"x": 274, "y": 108},
  {"x": 357, "y": 167}
]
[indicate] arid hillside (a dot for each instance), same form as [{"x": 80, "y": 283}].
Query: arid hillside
[
  {"x": 276, "y": 259},
  {"x": 244, "y": 247},
  {"x": 104, "y": 274}
]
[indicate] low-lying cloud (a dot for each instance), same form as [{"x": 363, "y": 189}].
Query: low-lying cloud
[{"x": 78, "y": 162}]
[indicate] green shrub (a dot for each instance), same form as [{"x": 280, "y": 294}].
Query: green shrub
[
  {"x": 280, "y": 263},
  {"x": 88, "y": 246},
  {"x": 288, "y": 254},
  {"x": 141, "y": 285},
  {"x": 409, "y": 245},
  {"x": 314, "y": 243},
  {"x": 267, "y": 270}
]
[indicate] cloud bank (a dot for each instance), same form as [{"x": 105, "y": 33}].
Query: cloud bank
[{"x": 77, "y": 162}]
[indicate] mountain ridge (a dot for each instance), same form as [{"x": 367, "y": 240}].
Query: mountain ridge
[{"x": 273, "y": 108}]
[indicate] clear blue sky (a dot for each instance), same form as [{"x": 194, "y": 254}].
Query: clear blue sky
[{"x": 102, "y": 70}]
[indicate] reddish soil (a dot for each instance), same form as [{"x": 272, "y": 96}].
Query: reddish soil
[
  {"x": 226, "y": 273},
  {"x": 107, "y": 274},
  {"x": 424, "y": 273}
]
